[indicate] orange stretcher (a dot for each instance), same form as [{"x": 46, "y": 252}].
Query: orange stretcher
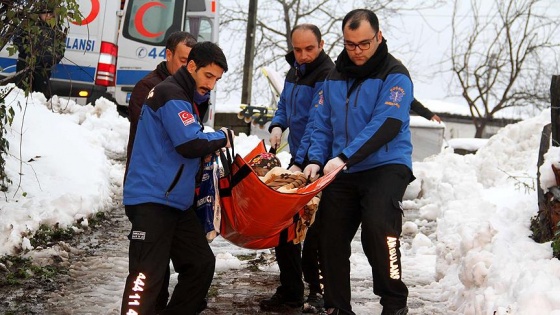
[{"x": 256, "y": 216}]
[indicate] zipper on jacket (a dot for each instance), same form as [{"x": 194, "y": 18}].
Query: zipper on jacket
[
  {"x": 175, "y": 180},
  {"x": 357, "y": 93},
  {"x": 346, "y": 119},
  {"x": 293, "y": 113},
  {"x": 357, "y": 84}
]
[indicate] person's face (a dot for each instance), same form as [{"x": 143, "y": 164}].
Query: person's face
[
  {"x": 205, "y": 77},
  {"x": 46, "y": 16},
  {"x": 177, "y": 58},
  {"x": 363, "y": 36},
  {"x": 306, "y": 46}
]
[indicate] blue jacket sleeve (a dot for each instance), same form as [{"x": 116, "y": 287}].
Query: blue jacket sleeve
[
  {"x": 186, "y": 133},
  {"x": 318, "y": 99},
  {"x": 280, "y": 116},
  {"x": 321, "y": 136},
  {"x": 393, "y": 101}
]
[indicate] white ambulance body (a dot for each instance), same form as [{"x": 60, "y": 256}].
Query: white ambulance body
[{"x": 119, "y": 42}]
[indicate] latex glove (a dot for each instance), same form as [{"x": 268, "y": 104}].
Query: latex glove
[
  {"x": 229, "y": 136},
  {"x": 332, "y": 165},
  {"x": 311, "y": 171},
  {"x": 294, "y": 168},
  {"x": 275, "y": 137}
]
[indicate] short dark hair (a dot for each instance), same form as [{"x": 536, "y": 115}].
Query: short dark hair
[
  {"x": 310, "y": 27},
  {"x": 206, "y": 53},
  {"x": 44, "y": 6},
  {"x": 179, "y": 37},
  {"x": 355, "y": 17}
]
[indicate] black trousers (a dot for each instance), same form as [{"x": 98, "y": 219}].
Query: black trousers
[
  {"x": 294, "y": 260},
  {"x": 288, "y": 257},
  {"x": 160, "y": 233},
  {"x": 371, "y": 198},
  {"x": 37, "y": 79},
  {"x": 310, "y": 259}
]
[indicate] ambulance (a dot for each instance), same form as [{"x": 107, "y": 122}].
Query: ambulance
[{"x": 117, "y": 43}]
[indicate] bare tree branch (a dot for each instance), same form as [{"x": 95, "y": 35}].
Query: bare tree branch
[
  {"x": 275, "y": 21},
  {"x": 503, "y": 56}
]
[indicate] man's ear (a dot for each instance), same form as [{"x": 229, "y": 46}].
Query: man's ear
[
  {"x": 168, "y": 54},
  {"x": 191, "y": 66}
]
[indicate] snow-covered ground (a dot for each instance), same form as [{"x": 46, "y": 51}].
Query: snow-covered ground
[{"x": 477, "y": 259}]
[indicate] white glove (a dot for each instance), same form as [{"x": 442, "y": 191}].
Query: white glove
[
  {"x": 275, "y": 137},
  {"x": 294, "y": 168},
  {"x": 229, "y": 141},
  {"x": 332, "y": 165},
  {"x": 311, "y": 171}
]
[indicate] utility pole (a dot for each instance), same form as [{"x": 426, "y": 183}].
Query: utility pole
[
  {"x": 554, "y": 109},
  {"x": 249, "y": 53}
]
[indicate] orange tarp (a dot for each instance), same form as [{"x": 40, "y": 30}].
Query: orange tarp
[{"x": 253, "y": 214}]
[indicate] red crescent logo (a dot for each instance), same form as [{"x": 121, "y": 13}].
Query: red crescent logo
[
  {"x": 92, "y": 15},
  {"x": 138, "y": 20}
]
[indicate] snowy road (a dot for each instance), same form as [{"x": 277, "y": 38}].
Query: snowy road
[{"x": 95, "y": 280}]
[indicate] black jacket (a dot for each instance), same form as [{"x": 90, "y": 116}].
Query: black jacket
[
  {"x": 137, "y": 98},
  {"x": 48, "y": 45}
]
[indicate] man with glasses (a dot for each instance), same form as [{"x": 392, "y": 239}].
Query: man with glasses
[{"x": 363, "y": 126}]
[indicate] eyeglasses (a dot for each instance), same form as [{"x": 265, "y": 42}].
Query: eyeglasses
[{"x": 363, "y": 45}]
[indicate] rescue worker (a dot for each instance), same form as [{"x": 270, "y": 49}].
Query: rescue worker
[
  {"x": 363, "y": 127},
  {"x": 160, "y": 188},
  {"x": 309, "y": 65},
  {"x": 177, "y": 48}
]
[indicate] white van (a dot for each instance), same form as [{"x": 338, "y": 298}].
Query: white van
[{"x": 119, "y": 42}]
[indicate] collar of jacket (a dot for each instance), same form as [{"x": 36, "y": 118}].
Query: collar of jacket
[
  {"x": 162, "y": 69},
  {"x": 186, "y": 81},
  {"x": 309, "y": 67},
  {"x": 345, "y": 66}
]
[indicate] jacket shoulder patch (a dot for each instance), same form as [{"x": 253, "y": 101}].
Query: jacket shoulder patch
[
  {"x": 186, "y": 117},
  {"x": 396, "y": 94}
]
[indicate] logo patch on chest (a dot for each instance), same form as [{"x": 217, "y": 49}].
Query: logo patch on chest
[{"x": 396, "y": 94}]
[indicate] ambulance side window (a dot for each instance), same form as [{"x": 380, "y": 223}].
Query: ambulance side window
[
  {"x": 149, "y": 22},
  {"x": 200, "y": 27}
]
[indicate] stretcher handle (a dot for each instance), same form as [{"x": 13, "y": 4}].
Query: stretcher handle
[{"x": 229, "y": 155}]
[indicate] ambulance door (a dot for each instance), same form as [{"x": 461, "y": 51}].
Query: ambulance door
[
  {"x": 77, "y": 73},
  {"x": 145, "y": 28}
]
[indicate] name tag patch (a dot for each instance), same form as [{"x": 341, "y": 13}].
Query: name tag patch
[{"x": 138, "y": 235}]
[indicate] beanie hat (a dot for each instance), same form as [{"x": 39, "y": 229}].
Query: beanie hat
[{"x": 264, "y": 162}]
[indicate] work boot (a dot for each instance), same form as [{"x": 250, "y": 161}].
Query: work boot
[
  {"x": 402, "y": 311},
  {"x": 278, "y": 302},
  {"x": 314, "y": 303}
]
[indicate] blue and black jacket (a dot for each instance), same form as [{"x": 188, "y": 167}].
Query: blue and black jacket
[
  {"x": 365, "y": 117},
  {"x": 169, "y": 144},
  {"x": 299, "y": 100}
]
